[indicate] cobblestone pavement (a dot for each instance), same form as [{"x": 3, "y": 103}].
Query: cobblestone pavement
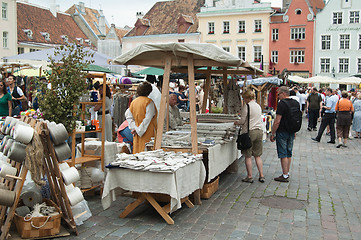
[{"x": 328, "y": 178}]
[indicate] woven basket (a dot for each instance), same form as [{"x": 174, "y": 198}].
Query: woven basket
[
  {"x": 49, "y": 226},
  {"x": 210, "y": 188}
]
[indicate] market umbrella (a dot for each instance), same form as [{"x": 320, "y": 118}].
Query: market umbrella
[
  {"x": 151, "y": 71},
  {"x": 349, "y": 81},
  {"x": 96, "y": 68},
  {"x": 43, "y": 55}
]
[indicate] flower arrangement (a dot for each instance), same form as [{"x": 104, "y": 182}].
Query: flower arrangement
[
  {"x": 257, "y": 59},
  {"x": 241, "y": 30},
  {"x": 211, "y": 32},
  {"x": 257, "y": 30}
]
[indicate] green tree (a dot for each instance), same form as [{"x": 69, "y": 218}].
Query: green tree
[{"x": 68, "y": 84}]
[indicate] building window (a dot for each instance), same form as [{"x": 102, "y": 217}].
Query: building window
[
  {"x": 343, "y": 65},
  {"x": 242, "y": 26},
  {"x": 359, "y": 41},
  {"x": 337, "y": 18},
  {"x": 226, "y": 27},
  {"x": 5, "y": 39},
  {"x": 325, "y": 65},
  {"x": 354, "y": 17},
  {"x": 298, "y": 33},
  {"x": 325, "y": 42},
  {"x": 274, "y": 34},
  {"x": 211, "y": 28},
  {"x": 345, "y": 41},
  {"x": 359, "y": 65},
  {"x": 258, "y": 25},
  {"x": 274, "y": 56},
  {"x": 297, "y": 56},
  {"x": 181, "y": 40},
  {"x": 20, "y": 50},
  {"x": 242, "y": 52},
  {"x": 257, "y": 50},
  {"x": 227, "y": 49},
  {"x": 4, "y": 10},
  {"x": 298, "y": 11},
  {"x": 33, "y": 50}
]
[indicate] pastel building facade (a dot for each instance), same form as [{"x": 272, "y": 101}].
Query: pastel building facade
[
  {"x": 338, "y": 39},
  {"x": 240, "y": 27},
  {"x": 291, "y": 46},
  {"x": 8, "y": 27}
]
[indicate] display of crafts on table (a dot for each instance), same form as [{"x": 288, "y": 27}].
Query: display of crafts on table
[{"x": 155, "y": 161}]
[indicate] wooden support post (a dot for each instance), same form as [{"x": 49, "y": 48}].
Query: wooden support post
[
  {"x": 158, "y": 208},
  {"x": 225, "y": 83},
  {"x": 192, "y": 103},
  {"x": 206, "y": 89},
  {"x": 163, "y": 102}
]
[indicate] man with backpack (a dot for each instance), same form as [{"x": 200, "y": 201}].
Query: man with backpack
[{"x": 288, "y": 121}]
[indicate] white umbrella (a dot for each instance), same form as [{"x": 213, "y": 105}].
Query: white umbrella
[{"x": 349, "y": 80}]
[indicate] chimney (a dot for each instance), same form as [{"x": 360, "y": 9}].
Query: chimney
[
  {"x": 82, "y": 7},
  {"x": 53, "y": 7},
  {"x": 57, "y": 7},
  {"x": 101, "y": 23},
  {"x": 139, "y": 15}
]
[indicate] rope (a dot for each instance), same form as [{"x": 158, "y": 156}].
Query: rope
[
  {"x": 34, "y": 159},
  {"x": 29, "y": 217}
]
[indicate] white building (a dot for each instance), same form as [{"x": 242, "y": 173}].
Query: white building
[
  {"x": 338, "y": 39},
  {"x": 8, "y": 28}
]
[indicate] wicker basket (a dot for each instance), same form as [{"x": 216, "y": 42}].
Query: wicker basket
[
  {"x": 210, "y": 188},
  {"x": 50, "y": 226}
]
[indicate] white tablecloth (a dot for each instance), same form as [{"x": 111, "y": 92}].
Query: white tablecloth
[
  {"x": 178, "y": 185},
  {"x": 220, "y": 156}
]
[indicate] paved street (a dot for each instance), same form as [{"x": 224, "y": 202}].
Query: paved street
[{"x": 326, "y": 179}]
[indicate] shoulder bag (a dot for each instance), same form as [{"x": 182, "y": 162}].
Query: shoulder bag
[{"x": 244, "y": 141}]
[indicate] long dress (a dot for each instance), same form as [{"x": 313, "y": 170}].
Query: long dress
[
  {"x": 138, "y": 108},
  {"x": 356, "y": 124}
]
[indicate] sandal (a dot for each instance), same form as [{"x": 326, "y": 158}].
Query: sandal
[
  {"x": 261, "y": 179},
  {"x": 247, "y": 179}
]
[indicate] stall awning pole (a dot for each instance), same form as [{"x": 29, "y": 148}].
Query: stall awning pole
[
  {"x": 192, "y": 98},
  {"x": 206, "y": 88},
  {"x": 163, "y": 102}
]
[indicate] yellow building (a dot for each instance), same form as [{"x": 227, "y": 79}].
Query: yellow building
[{"x": 240, "y": 27}]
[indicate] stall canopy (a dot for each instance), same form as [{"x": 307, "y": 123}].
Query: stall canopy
[
  {"x": 326, "y": 80},
  {"x": 96, "y": 68},
  {"x": 14, "y": 66},
  {"x": 43, "y": 55},
  {"x": 151, "y": 71}
]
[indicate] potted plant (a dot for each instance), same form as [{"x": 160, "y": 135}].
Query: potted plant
[{"x": 68, "y": 84}]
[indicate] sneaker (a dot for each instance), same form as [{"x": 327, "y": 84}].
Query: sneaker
[
  {"x": 247, "y": 179},
  {"x": 339, "y": 145},
  {"x": 261, "y": 179},
  {"x": 344, "y": 145},
  {"x": 309, "y": 129},
  {"x": 332, "y": 142},
  {"x": 281, "y": 179},
  {"x": 315, "y": 139}
]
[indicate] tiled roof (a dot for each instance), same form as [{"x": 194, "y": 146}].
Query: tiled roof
[
  {"x": 316, "y": 5},
  {"x": 163, "y": 16},
  {"x": 91, "y": 17},
  {"x": 40, "y": 20},
  {"x": 121, "y": 32}
]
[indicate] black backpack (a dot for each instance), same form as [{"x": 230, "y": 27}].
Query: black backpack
[{"x": 294, "y": 116}]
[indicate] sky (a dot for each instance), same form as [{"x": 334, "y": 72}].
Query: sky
[{"x": 120, "y": 12}]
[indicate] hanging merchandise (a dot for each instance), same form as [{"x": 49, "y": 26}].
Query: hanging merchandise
[{"x": 232, "y": 97}]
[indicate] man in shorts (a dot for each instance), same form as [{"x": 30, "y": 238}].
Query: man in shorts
[{"x": 284, "y": 139}]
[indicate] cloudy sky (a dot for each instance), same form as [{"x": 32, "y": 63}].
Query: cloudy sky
[{"x": 120, "y": 12}]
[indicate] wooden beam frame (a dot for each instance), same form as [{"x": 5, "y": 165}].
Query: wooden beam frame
[{"x": 192, "y": 103}]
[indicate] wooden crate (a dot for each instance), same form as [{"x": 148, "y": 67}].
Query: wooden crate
[
  {"x": 49, "y": 226},
  {"x": 210, "y": 188}
]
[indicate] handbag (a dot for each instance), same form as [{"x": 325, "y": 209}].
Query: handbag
[{"x": 243, "y": 140}]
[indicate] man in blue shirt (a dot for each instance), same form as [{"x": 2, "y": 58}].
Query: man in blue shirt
[{"x": 329, "y": 116}]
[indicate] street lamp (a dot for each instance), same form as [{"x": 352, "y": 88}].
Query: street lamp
[{"x": 333, "y": 71}]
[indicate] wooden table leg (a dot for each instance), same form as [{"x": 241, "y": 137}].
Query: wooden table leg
[
  {"x": 197, "y": 197},
  {"x": 188, "y": 202},
  {"x": 128, "y": 209},
  {"x": 158, "y": 208}
]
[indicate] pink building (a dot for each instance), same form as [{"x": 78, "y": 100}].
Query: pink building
[{"x": 291, "y": 38}]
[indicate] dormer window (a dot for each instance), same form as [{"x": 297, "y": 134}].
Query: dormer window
[
  {"x": 298, "y": 11},
  {"x": 28, "y": 33},
  {"x": 87, "y": 41},
  {"x": 45, "y": 35},
  {"x": 65, "y": 38},
  {"x": 80, "y": 41}
]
